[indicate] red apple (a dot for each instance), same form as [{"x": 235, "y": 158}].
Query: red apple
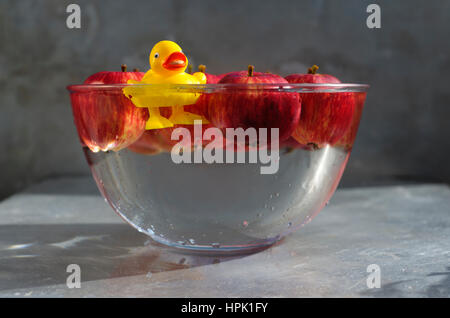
[
  {"x": 166, "y": 137},
  {"x": 105, "y": 119},
  {"x": 348, "y": 138},
  {"x": 291, "y": 144},
  {"x": 201, "y": 106},
  {"x": 149, "y": 143},
  {"x": 257, "y": 108},
  {"x": 325, "y": 116},
  {"x": 210, "y": 78},
  {"x": 157, "y": 140},
  {"x": 312, "y": 77}
]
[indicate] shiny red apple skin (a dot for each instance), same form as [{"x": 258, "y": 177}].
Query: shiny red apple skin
[
  {"x": 213, "y": 79},
  {"x": 107, "y": 77},
  {"x": 312, "y": 79},
  {"x": 349, "y": 137},
  {"x": 105, "y": 119},
  {"x": 234, "y": 108},
  {"x": 201, "y": 106},
  {"x": 325, "y": 116}
]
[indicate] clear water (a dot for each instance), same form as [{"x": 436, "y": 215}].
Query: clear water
[{"x": 217, "y": 207}]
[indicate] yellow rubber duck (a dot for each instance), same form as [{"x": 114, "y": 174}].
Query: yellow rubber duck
[{"x": 167, "y": 66}]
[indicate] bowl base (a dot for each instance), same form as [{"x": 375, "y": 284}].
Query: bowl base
[{"x": 217, "y": 250}]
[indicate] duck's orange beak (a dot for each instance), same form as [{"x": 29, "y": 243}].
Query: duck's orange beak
[{"x": 175, "y": 61}]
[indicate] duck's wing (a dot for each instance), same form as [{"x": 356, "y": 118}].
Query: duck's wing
[{"x": 148, "y": 76}]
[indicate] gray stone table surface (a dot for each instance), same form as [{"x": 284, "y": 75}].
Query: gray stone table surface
[{"x": 405, "y": 230}]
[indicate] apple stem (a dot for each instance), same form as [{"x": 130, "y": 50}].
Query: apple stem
[
  {"x": 136, "y": 70},
  {"x": 251, "y": 68},
  {"x": 313, "y": 69},
  {"x": 202, "y": 68},
  {"x": 123, "y": 67},
  {"x": 189, "y": 69}
]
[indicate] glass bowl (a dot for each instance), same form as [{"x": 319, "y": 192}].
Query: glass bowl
[{"x": 211, "y": 205}]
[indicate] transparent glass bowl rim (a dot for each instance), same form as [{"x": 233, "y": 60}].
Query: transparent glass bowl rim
[{"x": 227, "y": 88}]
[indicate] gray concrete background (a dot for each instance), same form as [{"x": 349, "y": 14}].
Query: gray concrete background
[{"x": 405, "y": 127}]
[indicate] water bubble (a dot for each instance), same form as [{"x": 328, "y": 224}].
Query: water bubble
[
  {"x": 270, "y": 196},
  {"x": 215, "y": 245},
  {"x": 149, "y": 275},
  {"x": 289, "y": 185},
  {"x": 192, "y": 241},
  {"x": 272, "y": 208},
  {"x": 265, "y": 206},
  {"x": 259, "y": 215},
  {"x": 289, "y": 224},
  {"x": 277, "y": 194},
  {"x": 245, "y": 224}
]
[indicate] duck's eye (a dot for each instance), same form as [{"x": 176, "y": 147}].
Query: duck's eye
[{"x": 156, "y": 55}]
